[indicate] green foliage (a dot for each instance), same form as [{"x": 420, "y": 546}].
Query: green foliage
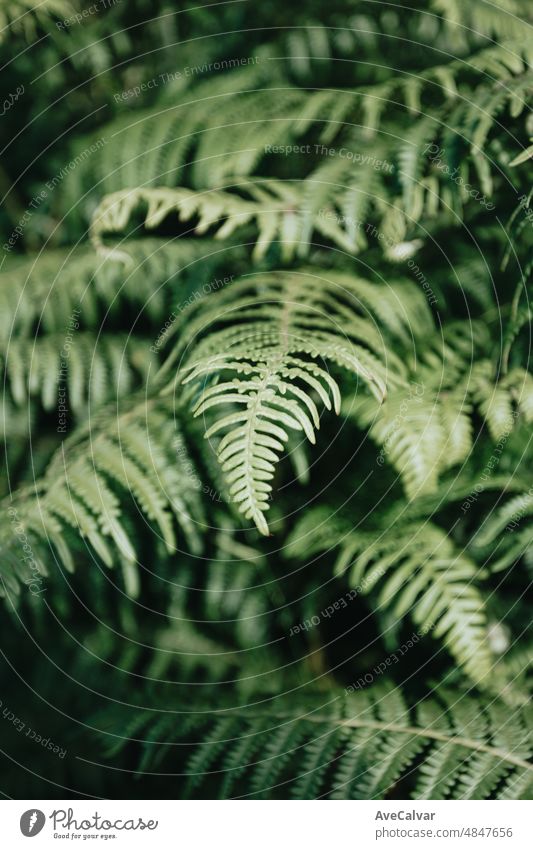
[
  {"x": 413, "y": 569},
  {"x": 210, "y": 208},
  {"x": 271, "y": 342},
  {"x": 24, "y": 15},
  {"x": 92, "y": 371},
  {"x": 355, "y": 747},
  {"x": 265, "y": 310},
  {"x": 138, "y": 458}
]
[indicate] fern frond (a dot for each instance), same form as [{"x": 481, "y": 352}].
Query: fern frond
[
  {"x": 91, "y": 369},
  {"x": 499, "y": 530},
  {"x": 45, "y": 291},
  {"x": 332, "y": 201},
  {"x": 359, "y": 746},
  {"x": 412, "y": 157},
  {"x": 263, "y": 356},
  {"x": 500, "y": 402},
  {"x": 239, "y": 127},
  {"x": 336, "y": 199},
  {"x": 522, "y": 157},
  {"x": 23, "y": 15},
  {"x": 223, "y": 211},
  {"x": 411, "y": 569},
  {"x": 89, "y": 486},
  {"x": 421, "y": 433},
  {"x": 509, "y": 18}
]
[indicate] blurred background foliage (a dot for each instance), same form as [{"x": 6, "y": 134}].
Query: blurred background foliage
[{"x": 130, "y": 669}]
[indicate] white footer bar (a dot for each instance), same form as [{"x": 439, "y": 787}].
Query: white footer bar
[{"x": 267, "y": 825}]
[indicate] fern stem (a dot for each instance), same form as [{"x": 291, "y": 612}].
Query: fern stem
[{"x": 465, "y": 742}]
